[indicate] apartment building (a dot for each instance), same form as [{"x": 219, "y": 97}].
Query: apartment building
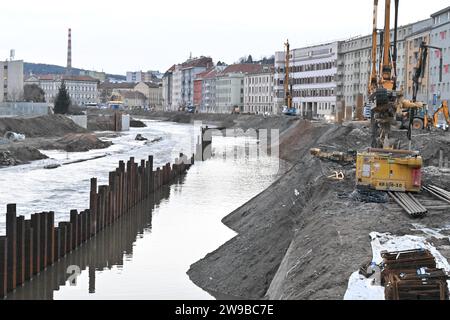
[
  {"x": 354, "y": 63},
  {"x": 167, "y": 88},
  {"x": 412, "y": 48},
  {"x": 178, "y": 82},
  {"x": 230, "y": 87},
  {"x": 205, "y": 89},
  {"x": 11, "y": 81},
  {"x": 140, "y": 76},
  {"x": 153, "y": 92},
  {"x": 82, "y": 89},
  {"x": 132, "y": 99},
  {"x": 108, "y": 90},
  {"x": 439, "y": 37},
  {"x": 258, "y": 91},
  {"x": 313, "y": 72}
]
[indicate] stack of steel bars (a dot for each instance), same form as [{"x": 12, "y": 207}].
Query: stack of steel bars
[
  {"x": 409, "y": 203},
  {"x": 413, "y": 275},
  {"x": 438, "y": 192}
]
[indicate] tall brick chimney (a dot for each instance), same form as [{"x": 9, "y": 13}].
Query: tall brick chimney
[{"x": 69, "y": 53}]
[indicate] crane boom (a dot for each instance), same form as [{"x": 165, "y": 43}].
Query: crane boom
[
  {"x": 287, "y": 92},
  {"x": 373, "y": 80}
]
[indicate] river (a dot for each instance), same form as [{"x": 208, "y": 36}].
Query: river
[{"x": 145, "y": 255}]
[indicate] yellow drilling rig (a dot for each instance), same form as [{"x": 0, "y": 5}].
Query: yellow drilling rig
[
  {"x": 288, "y": 109},
  {"x": 382, "y": 167}
]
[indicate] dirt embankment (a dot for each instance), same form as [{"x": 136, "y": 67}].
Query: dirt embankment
[
  {"x": 303, "y": 237},
  {"x": 44, "y": 132},
  {"x": 44, "y": 126}
]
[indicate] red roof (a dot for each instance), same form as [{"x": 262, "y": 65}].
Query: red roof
[
  {"x": 171, "y": 69},
  {"x": 209, "y": 73},
  {"x": 242, "y": 68},
  {"x": 205, "y": 62}
]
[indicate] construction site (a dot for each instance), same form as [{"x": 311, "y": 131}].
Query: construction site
[
  {"x": 351, "y": 208},
  {"x": 362, "y": 213}
]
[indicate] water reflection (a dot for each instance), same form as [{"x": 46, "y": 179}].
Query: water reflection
[
  {"x": 146, "y": 254},
  {"x": 106, "y": 250}
]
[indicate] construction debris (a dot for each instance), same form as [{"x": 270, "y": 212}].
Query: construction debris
[
  {"x": 409, "y": 203},
  {"x": 139, "y": 137},
  {"x": 337, "y": 175},
  {"x": 369, "y": 196},
  {"x": 14, "y": 136},
  {"x": 343, "y": 158},
  {"x": 413, "y": 275}
]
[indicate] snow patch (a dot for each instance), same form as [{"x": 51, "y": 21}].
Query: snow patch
[{"x": 360, "y": 288}]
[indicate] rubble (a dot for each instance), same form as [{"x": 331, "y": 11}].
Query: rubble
[
  {"x": 139, "y": 137},
  {"x": 80, "y": 143},
  {"x": 137, "y": 124}
]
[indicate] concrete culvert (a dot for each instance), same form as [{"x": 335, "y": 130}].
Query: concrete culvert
[{"x": 13, "y": 136}]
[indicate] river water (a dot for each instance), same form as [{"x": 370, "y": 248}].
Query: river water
[{"x": 146, "y": 254}]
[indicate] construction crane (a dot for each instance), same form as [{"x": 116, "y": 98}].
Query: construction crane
[
  {"x": 420, "y": 118},
  {"x": 382, "y": 82},
  {"x": 288, "y": 109},
  {"x": 381, "y": 167}
]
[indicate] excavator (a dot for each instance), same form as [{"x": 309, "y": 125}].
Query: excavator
[
  {"x": 381, "y": 167},
  {"x": 420, "y": 118},
  {"x": 288, "y": 109}
]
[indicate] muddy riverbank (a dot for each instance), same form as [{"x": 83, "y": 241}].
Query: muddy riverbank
[{"x": 52, "y": 132}]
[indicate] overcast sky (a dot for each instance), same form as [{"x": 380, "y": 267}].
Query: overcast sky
[{"x": 116, "y": 36}]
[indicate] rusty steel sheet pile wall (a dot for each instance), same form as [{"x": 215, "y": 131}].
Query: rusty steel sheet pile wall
[{"x": 30, "y": 246}]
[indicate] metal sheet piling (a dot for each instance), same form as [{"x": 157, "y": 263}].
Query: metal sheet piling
[
  {"x": 32, "y": 245},
  {"x": 11, "y": 235}
]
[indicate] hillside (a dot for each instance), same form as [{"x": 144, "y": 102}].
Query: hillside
[{"x": 41, "y": 68}]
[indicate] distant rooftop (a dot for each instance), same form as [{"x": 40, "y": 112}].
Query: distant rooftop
[
  {"x": 57, "y": 77},
  {"x": 242, "y": 68}
]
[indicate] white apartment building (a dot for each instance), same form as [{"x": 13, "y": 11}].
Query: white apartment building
[
  {"x": 11, "y": 81},
  {"x": 312, "y": 76},
  {"x": 177, "y": 76},
  {"x": 258, "y": 92},
  {"x": 82, "y": 89}
]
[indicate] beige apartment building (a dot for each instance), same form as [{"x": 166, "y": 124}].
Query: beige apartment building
[
  {"x": 153, "y": 92},
  {"x": 11, "y": 81},
  {"x": 258, "y": 92}
]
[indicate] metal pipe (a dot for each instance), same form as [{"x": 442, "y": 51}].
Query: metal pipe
[
  {"x": 393, "y": 151},
  {"x": 386, "y": 70},
  {"x": 373, "y": 81},
  {"x": 394, "y": 60}
]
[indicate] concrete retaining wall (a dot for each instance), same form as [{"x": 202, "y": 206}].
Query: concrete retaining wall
[
  {"x": 13, "y": 109},
  {"x": 80, "y": 120},
  {"x": 125, "y": 122}
]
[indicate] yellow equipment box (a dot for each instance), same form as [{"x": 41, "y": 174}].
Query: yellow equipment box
[{"x": 389, "y": 170}]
